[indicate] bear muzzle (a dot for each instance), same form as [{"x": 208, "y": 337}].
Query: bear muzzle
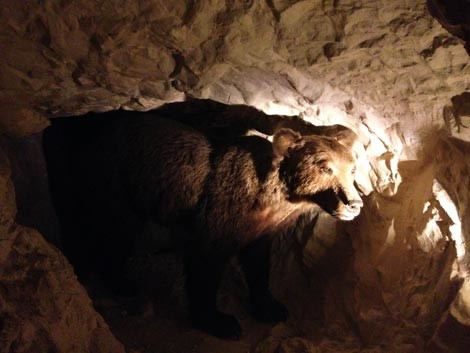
[{"x": 349, "y": 211}]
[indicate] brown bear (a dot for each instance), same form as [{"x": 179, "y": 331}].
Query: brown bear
[
  {"x": 111, "y": 172},
  {"x": 236, "y": 192}
]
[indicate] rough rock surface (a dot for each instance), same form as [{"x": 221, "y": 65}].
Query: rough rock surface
[
  {"x": 30, "y": 180},
  {"x": 392, "y": 57},
  {"x": 43, "y": 308},
  {"x": 387, "y": 69}
]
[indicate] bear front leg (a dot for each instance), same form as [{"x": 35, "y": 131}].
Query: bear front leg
[
  {"x": 204, "y": 272},
  {"x": 255, "y": 262}
]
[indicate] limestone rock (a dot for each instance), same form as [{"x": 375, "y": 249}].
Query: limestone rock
[
  {"x": 72, "y": 58},
  {"x": 388, "y": 70},
  {"x": 21, "y": 122},
  {"x": 43, "y": 308},
  {"x": 31, "y": 185}
]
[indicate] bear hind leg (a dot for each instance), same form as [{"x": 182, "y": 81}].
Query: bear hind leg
[
  {"x": 203, "y": 273},
  {"x": 255, "y": 262}
]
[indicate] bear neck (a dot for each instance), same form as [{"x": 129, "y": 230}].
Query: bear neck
[
  {"x": 275, "y": 210},
  {"x": 275, "y": 190}
]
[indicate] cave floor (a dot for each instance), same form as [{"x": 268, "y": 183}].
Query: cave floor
[
  {"x": 162, "y": 335},
  {"x": 163, "y": 327}
]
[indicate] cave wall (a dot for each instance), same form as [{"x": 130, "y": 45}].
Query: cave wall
[
  {"x": 31, "y": 184},
  {"x": 387, "y": 69},
  {"x": 71, "y": 57},
  {"x": 43, "y": 308}
]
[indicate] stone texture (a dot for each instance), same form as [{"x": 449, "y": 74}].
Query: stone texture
[
  {"x": 30, "y": 181},
  {"x": 43, "y": 308},
  {"x": 20, "y": 122},
  {"x": 69, "y": 58},
  {"x": 386, "y": 69}
]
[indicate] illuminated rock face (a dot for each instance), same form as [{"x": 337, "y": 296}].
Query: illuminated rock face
[{"x": 388, "y": 70}]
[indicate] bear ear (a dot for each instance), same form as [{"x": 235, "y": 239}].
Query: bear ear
[
  {"x": 346, "y": 137},
  {"x": 284, "y": 140}
]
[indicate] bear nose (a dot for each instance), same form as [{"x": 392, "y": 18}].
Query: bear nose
[{"x": 355, "y": 204}]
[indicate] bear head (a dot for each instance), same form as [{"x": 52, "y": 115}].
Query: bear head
[{"x": 319, "y": 169}]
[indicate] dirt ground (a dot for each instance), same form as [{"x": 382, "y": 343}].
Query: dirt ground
[
  {"x": 163, "y": 327},
  {"x": 160, "y": 335}
]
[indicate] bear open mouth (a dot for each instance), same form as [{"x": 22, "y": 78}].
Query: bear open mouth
[
  {"x": 331, "y": 204},
  {"x": 346, "y": 213},
  {"x": 345, "y": 216}
]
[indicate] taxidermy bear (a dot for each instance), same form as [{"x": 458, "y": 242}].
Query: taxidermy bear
[{"x": 232, "y": 193}]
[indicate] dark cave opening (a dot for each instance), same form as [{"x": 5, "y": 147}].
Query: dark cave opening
[
  {"x": 97, "y": 226},
  {"x": 83, "y": 156}
]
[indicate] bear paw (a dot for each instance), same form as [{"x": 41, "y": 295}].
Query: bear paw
[
  {"x": 266, "y": 308},
  {"x": 218, "y": 324}
]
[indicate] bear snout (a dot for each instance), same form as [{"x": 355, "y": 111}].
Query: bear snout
[
  {"x": 347, "y": 211},
  {"x": 355, "y": 204},
  {"x": 350, "y": 210}
]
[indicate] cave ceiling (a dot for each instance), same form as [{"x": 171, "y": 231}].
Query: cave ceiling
[{"x": 380, "y": 63}]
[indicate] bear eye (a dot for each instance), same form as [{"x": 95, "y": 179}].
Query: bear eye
[
  {"x": 326, "y": 170},
  {"x": 353, "y": 171}
]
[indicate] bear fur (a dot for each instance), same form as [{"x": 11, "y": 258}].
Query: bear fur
[{"x": 232, "y": 193}]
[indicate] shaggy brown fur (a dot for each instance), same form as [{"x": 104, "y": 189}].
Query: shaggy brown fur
[{"x": 235, "y": 193}]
